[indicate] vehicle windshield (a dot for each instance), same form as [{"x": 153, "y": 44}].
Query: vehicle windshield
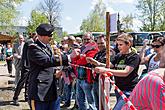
[{"x": 139, "y": 38}]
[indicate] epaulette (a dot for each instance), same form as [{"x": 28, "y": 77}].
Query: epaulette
[{"x": 33, "y": 45}]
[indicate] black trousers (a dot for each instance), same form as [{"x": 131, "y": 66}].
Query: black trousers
[
  {"x": 9, "y": 66},
  {"x": 23, "y": 80}
]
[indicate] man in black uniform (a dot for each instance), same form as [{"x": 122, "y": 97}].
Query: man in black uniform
[{"x": 42, "y": 92}]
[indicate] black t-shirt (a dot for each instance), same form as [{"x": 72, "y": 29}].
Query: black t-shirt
[
  {"x": 100, "y": 57},
  {"x": 120, "y": 62}
]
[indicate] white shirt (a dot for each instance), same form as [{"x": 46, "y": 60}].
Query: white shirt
[{"x": 153, "y": 64}]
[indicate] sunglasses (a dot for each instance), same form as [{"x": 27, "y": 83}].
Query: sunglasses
[
  {"x": 86, "y": 39},
  {"x": 156, "y": 46},
  {"x": 50, "y": 35}
]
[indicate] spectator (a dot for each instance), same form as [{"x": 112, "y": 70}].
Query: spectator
[
  {"x": 24, "y": 71},
  {"x": 17, "y": 54},
  {"x": 125, "y": 65},
  {"x": 1, "y": 52},
  {"x": 9, "y": 58},
  {"x": 149, "y": 93},
  {"x": 95, "y": 61},
  {"x": 152, "y": 61},
  {"x": 79, "y": 40},
  {"x": 84, "y": 76}
]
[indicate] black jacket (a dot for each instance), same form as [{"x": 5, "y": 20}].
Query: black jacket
[
  {"x": 42, "y": 83},
  {"x": 25, "y": 62}
]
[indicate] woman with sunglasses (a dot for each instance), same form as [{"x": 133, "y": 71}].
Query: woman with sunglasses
[{"x": 153, "y": 60}]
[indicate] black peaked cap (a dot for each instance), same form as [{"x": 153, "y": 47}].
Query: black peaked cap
[{"x": 45, "y": 29}]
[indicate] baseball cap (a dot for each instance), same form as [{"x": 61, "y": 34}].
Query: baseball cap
[{"x": 45, "y": 29}]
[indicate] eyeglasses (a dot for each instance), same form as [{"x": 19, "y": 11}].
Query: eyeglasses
[
  {"x": 100, "y": 43},
  {"x": 86, "y": 39},
  {"x": 155, "y": 46}
]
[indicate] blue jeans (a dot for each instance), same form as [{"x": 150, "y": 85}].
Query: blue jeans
[
  {"x": 84, "y": 91},
  {"x": 96, "y": 94},
  {"x": 120, "y": 102},
  {"x": 52, "y": 105},
  {"x": 68, "y": 93}
]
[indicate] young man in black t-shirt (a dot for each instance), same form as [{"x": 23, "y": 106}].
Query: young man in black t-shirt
[{"x": 125, "y": 68}]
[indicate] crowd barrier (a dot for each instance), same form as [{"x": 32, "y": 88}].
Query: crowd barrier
[{"x": 104, "y": 90}]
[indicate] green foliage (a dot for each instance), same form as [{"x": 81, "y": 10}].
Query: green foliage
[
  {"x": 64, "y": 34},
  {"x": 36, "y": 19},
  {"x": 56, "y": 37},
  {"x": 8, "y": 12},
  {"x": 127, "y": 23},
  {"x": 95, "y": 22},
  {"x": 151, "y": 14}
]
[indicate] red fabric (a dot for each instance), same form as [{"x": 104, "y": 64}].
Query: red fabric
[{"x": 90, "y": 51}]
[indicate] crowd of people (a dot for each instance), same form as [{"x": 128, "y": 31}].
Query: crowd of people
[{"x": 50, "y": 77}]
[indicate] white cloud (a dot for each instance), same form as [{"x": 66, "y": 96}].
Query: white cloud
[
  {"x": 122, "y": 1},
  {"x": 109, "y": 2},
  {"x": 111, "y": 10},
  {"x": 136, "y": 24},
  {"x": 30, "y": 0},
  {"x": 68, "y": 18},
  {"x": 77, "y": 28},
  {"x": 22, "y": 21}
]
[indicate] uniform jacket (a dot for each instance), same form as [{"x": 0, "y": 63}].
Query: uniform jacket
[{"x": 42, "y": 83}]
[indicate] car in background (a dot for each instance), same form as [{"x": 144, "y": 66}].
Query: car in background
[
  {"x": 163, "y": 33},
  {"x": 139, "y": 37}
]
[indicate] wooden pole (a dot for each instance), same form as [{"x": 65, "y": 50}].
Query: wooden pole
[{"x": 107, "y": 39}]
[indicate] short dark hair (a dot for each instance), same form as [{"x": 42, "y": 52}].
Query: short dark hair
[{"x": 160, "y": 40}]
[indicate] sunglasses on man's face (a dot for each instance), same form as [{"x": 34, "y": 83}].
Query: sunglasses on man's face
[
  {"x": 86, "y": 39},
  {"x": 156, "y": 46},
  {"x": 50, "y": 35}
]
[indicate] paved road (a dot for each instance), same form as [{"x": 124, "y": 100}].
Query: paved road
[{"x": 6, "y": 92}]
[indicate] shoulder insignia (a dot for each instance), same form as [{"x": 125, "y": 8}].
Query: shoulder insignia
[{"x": 33, "y": 45}]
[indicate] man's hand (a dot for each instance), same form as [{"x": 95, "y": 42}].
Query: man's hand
[
  {"x": 104, "y": 71},
  {"x": 101, "y": 69},
  {"x": 92, "y": 61},
  {"x": 75, "y": 53},
  {"x": 58, "y": 73}
]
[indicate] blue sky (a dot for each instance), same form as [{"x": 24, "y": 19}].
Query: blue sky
[{"x": 74, "y": 11}]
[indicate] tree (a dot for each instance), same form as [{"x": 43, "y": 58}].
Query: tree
[
  {"x": 8, "y": 12},
  {"x": 127, "y": 23},
  {"x": 51, "y": 9},
  {"x": 36, "y": 19},
  {"x": 64, "y": 34},
  {"x": 150, "y": 11},
  {"x": 161, "y": 20},
  {"x": 95, "y": 22}
]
